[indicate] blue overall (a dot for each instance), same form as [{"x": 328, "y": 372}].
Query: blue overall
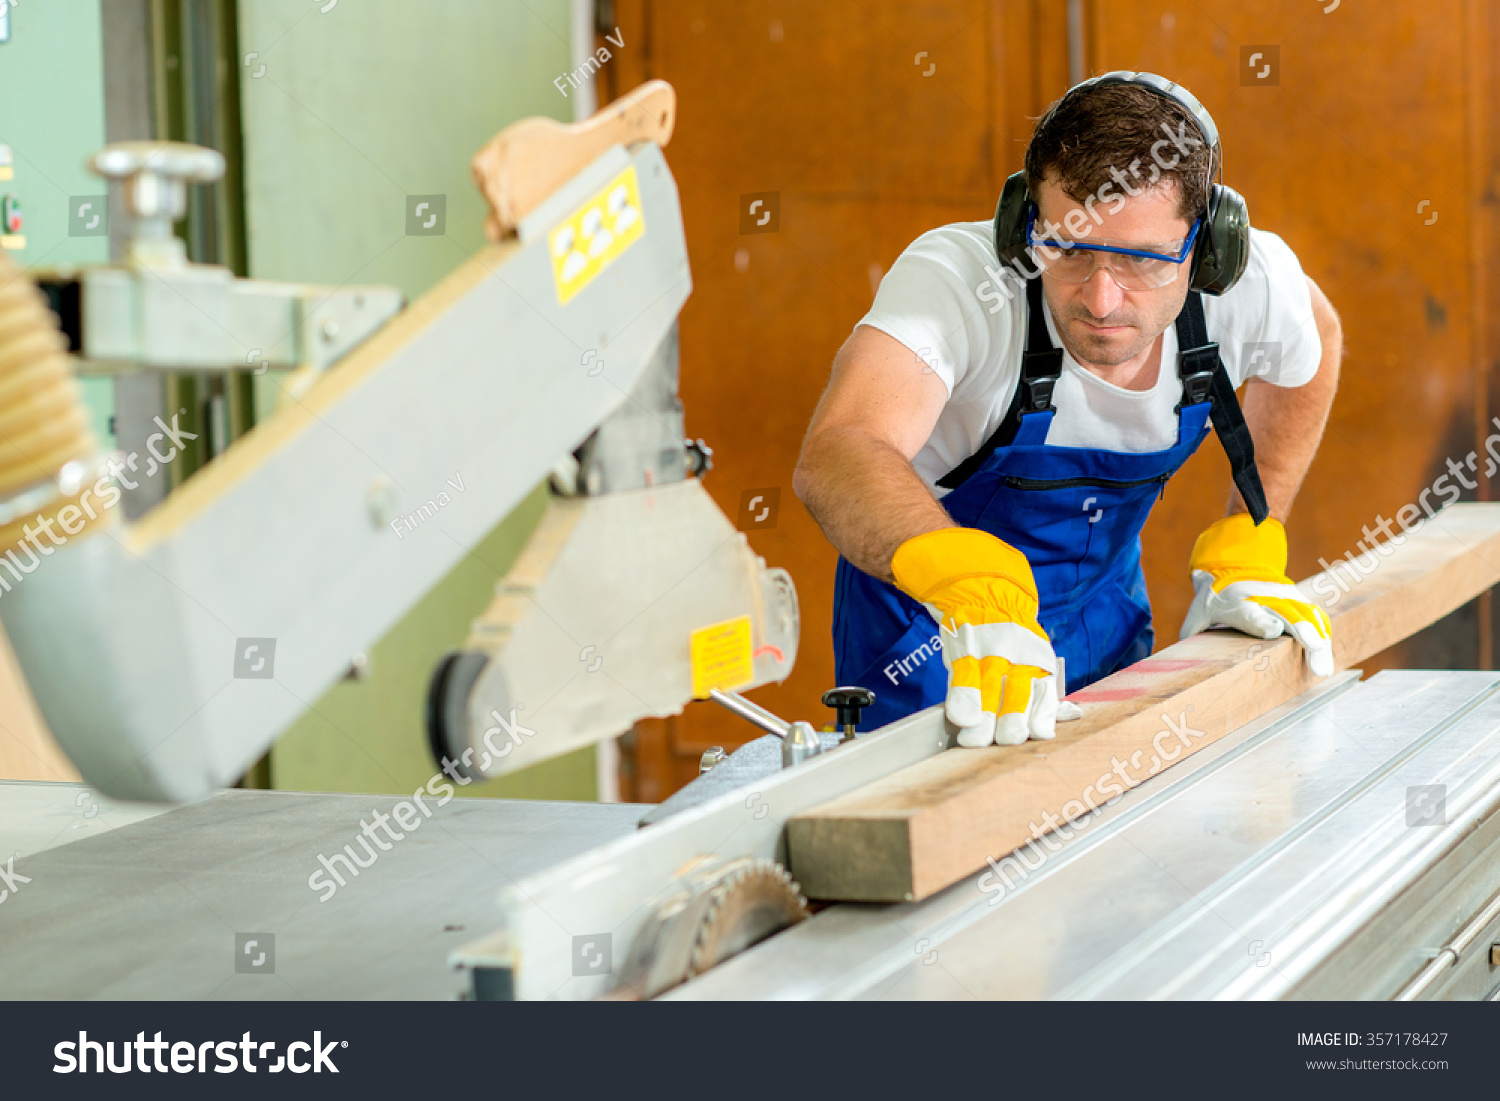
[{"x": 1075, "y": 512}]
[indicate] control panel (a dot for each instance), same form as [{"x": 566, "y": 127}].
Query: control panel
[{"x": 12, "y": 220}]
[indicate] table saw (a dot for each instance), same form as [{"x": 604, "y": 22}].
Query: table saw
[
  {"x": 1284, "y": 861},
  {"x": 1327, "y": 840}
]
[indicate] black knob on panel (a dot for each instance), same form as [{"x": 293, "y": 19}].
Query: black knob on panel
[{"x": 848, "y": 702}]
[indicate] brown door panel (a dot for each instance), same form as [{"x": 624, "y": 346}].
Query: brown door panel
[{"x": 1375, "y": 109}]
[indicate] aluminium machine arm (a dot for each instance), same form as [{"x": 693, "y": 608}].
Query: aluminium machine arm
[{"x": 318, "y": 529}]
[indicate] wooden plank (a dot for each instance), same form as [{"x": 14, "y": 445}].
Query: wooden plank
[
  {"x": 530, "y": 159},
  {"x": 927, "y": 826}
]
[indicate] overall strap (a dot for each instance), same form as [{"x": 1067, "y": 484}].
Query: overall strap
[
  {"x": 1204, "y": 378},
  {"x": 1041, "y": 367}
]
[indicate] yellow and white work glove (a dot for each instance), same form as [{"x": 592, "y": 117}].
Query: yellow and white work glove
[
  {"x": 1239, "y": 578},
  {"x": 979, "y": 589}
]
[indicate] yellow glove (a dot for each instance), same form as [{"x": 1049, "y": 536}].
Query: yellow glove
[
  {"x": 1239, "y": 574},
  {"x": 1001, "y": 682}
]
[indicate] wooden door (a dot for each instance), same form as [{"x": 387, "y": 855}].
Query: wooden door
[
  {"x": 870, "y": 123},
  {"x": 867, "y": 124},
  {"x": 1371, "y": 149}
]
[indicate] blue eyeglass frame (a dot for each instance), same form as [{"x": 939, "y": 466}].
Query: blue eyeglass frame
[{"x": 1032, "y": 242}]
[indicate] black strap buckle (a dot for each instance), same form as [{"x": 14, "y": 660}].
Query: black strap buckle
[
  {"x": 1040, "y": 371},
  {"x": 1196, "y": 367},
  {"x": 1195, "y": 387},
  {"x": 1038, "y": 395}
]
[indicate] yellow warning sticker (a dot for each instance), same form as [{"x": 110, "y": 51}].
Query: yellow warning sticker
[
  {"x": 585, "y": 243},
  {"x": 722, "y": 657}
]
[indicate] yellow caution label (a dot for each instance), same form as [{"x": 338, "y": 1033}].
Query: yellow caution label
[
  {"x": 585, "y": 243},
  {"x": 722, "y": 657}
]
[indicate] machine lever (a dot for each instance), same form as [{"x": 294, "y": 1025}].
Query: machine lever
[
  {"x": 799, "y": 740},
  {"x": 750, "y": 712}
]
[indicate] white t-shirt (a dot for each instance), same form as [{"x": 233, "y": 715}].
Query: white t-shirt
[{"x": 942, "y": 300}]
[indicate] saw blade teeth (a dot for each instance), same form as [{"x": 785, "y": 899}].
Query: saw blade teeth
[{"x": 782, "y": 905}]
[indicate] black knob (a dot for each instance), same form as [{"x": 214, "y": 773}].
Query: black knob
[
  {"x": 848, "y": 703},
  {"x": 700, "y": 457}
]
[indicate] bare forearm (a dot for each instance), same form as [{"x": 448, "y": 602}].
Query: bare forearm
[
  {"x": 1287, "y": 423},
  {"x": 1287, "y": 426},
  {"x": 866, "y": 497}
]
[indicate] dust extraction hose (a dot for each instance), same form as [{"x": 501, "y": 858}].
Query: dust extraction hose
[{"x": 50, "y": 472}]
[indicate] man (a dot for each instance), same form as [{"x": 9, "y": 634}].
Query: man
[{"x": 974, "y": 476}]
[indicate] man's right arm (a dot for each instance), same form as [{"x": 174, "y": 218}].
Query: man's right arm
[{"x": 855, "y": 474}]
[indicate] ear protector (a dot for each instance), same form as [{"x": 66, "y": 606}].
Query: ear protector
[{"x": 1223, "y": 246}]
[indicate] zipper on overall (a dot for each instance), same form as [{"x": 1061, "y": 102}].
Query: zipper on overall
[{"x": 1072, "y": 483}]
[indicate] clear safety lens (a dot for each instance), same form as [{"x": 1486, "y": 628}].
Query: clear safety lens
[{"x": 1077, "y": 265}]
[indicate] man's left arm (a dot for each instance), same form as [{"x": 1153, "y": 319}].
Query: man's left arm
[
  {"x": 1239, "y": 567},
  {"x": 1287, "y": 423}
]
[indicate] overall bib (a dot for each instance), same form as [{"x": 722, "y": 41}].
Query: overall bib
[{"x": 1075, "y": 512}]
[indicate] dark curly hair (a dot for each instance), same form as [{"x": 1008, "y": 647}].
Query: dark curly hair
[{"x": 1082, "y": 137}]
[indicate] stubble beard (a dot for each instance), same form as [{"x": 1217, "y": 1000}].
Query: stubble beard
[{"x": 1104, "y": 351}]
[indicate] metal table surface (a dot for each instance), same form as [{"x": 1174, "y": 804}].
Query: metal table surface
[
  {"x": 132, "y": 901},
  {"x": 1279, "y": 862}
]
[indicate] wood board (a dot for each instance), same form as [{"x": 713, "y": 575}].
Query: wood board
[
  {"x": 530, "y": 159},
  {"x": 929, "y": 825}
]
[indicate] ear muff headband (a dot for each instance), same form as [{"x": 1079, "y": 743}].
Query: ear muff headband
[{"x": 1223, "y": 247}]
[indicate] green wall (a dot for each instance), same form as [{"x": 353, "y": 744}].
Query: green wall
[
  {"x": 357, "y": 108},
  {"x": 370, "y": 102},
  {"x": 52, "y": 117},
  {"x": 368, "y": 735}
]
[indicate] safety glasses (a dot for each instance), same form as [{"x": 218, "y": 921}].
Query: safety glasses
[{"x": 1132, "y": 269}]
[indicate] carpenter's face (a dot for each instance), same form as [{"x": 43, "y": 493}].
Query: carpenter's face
[{"x": 1103, "y": 324}]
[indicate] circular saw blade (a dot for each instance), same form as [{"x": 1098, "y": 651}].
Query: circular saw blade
[{"x": 749, "y": 900}]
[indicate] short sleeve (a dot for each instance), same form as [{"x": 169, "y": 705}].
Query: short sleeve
[
  {"x": 1268, "y": 329},
  {"x": 933, "y": 300}
]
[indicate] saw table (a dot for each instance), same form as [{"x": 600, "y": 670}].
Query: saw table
[
  {"x": 1342, "y": 846},
  {"x": 146, "y": 901}
]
